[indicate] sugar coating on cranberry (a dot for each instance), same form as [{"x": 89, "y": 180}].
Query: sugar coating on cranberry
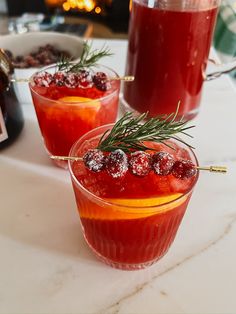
[
  {"x": 162, "y": 163},
  {"x": 101, "y": 82},
  {"x": 140, "y": 163},
  {"x": 94, "y": 160},
  {"x": 43, "y": 79},
  {"x": 117, "y": 163},
  {"x": 83, "y": 73},
  {"x": 84, "y": 79},
  {"x": 71, "y": 80},
  {"x": 59, "y": 78},
  {"x": 184, "y": 169}
]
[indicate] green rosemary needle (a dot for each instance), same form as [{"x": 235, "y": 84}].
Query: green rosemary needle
[
  {"x": 130, "y": 133},
  {"x": 88, "y": 59}
]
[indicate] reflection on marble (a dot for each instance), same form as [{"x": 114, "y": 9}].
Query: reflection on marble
[{"x": 115, "y": 308}]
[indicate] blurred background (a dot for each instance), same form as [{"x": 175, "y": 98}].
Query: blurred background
[
  {"x": 96, "y": 18},
  {"x": 99, "y": 19}
]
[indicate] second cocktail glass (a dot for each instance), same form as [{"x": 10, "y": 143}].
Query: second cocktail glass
[{"x": 65, "y": 113}]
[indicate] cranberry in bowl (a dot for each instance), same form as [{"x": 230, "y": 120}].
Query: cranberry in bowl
[{"x": 25, "y": 45}]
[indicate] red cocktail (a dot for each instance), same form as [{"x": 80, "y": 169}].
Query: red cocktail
[
  {"x": 130, "y": 221},
  {"x": 169, "y": 43},
  {"x": 69, "y": 105}
]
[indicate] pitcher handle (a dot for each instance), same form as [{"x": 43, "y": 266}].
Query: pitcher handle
[{"x": 223, "y": 69}]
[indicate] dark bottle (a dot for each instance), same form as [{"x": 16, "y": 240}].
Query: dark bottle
[{"x": 11, "y": 117}]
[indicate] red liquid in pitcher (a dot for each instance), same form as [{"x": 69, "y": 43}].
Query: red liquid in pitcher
[{"x": 167, "y": 54}]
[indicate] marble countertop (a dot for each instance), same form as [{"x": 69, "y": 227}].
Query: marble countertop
[{"x": 46, "y": 266}]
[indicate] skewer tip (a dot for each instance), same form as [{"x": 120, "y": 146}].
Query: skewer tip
[{"x": 216, "y": 169}]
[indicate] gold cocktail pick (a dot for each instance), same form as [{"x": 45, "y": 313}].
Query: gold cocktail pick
[
  {"x": 20, "y": 80},
  {"x": 216, "y": 169},
  {"x": 219, "y": 169},
  {"x": 66, "y": 158},
  {"x": 123, "y": 78},
  {"x": 118, "y": 78}
]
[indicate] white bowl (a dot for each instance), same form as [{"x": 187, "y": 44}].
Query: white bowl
[{"x": 23, "y": 44}]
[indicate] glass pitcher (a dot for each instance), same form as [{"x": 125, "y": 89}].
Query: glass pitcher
[{"x": 169, "y": 44}]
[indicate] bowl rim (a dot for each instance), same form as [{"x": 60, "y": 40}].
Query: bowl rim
[
  {"x": 12, "y": 41},
  {"x": 43, "y": 34}
]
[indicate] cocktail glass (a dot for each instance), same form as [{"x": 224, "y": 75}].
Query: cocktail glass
[
  {"x": 131, "y": 222},
  {"x": 64, "y": 114}
]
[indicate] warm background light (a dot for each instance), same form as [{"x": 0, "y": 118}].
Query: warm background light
[
  {"x": 54, "y": 3},
  {"x": 98, "y": 10},
  {"x": 104, "y": 8},
  {"x": 130, "y": 5},
  {"x": 66, "y": 6},
  {"x": 81, "y": 5}
]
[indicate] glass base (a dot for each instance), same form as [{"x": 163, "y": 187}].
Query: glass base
[
  {"x": 125, "y": 107},
  {"x": 123, "y": 266}
]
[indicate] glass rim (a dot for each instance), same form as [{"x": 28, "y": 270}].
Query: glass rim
[
  {"x": 72, "y": 103},
  {"x": 180, "y": 5},
  {"x": 104, "y": 201}
]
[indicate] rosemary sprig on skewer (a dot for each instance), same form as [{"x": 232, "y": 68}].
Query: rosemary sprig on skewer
[
  {"x": 130, "y": 133},
  {"x": 218, "y": 169},
  {"x": 126, "y": 78},
  {"x": 88, "y": 59}
]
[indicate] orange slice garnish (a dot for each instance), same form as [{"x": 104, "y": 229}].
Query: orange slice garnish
[
  {"x": 133, "y": 208},
  {"x": 87, "y": 107},
  {"x": 95, "y": 104},
  {"x": 144, "y": 202}
]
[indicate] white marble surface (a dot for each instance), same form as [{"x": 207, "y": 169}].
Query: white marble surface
[{"x": 46, "y": 267}]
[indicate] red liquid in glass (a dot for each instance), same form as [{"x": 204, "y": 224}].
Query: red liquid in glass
[
  {"x": 62, "y": 122},
  {"x": 167, "y": 54},
  {"x": 121, "y": 236}
]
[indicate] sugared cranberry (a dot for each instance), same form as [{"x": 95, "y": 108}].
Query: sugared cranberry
[
  {"x": 71, "y": 80},
  {"x": 59, "y": 78},
  {"x": 42, "y": 56},
  {"x": 162, "y": 163},
  {"x": 94, "y": 160},
  {"x": 19, "y": 59},
  {"x": 47, "y": 61},
  {"x": 117, "y": 163},
  {"x": 84, "y": 79},
  {"x": 100, "y": 80},
  {"x": 140, "y": 163},
  {"x": 31, "y": 62},
  {"x": 43, "y": 79},
  {"x": 184, "y": 169}
]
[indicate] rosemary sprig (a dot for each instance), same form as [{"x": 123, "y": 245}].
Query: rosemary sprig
[
  {"x": 64, "y": 63},
  {"x": 88, "y": 59},
  {"x": 130, "y": 133}
]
